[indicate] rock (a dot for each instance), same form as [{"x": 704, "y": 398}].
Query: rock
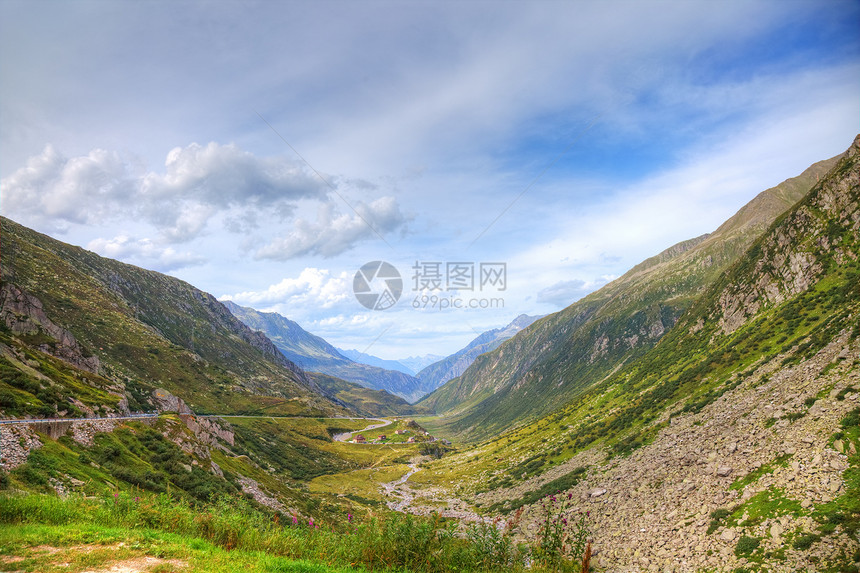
[
  {"x": 808, "y": 440},
  {"x": 806, "y": 503},
  {"x": 776, "y": 530},
  {"x": 596, "y": 492},
  {"x": 728, "y": 534},
  {"x": 733, "y": 447},
  {"x": 839, "y": 446},
  {"x": 724, "y": 471}
]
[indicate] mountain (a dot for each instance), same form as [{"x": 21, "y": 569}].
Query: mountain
[
  {"x": 370, "y": 360},
  {"x": 562, "y": 355},
  {"x": 315, "y": 354},
  {"x": 365, "y": 401},
  {"x": 81, "y": 333},
  {"x": 733, "y": 442},
  {"x": 418, "y": 363},
  {"x": 436, "y": 374}
]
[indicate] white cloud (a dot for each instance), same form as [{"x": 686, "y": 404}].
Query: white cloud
[
  {"x": 52, "y": 190},
  {"x": 334, "y": 232},
  {"x": 145, "y": 252},
  {"x": 198, "y": 184},
  {"x": 564, "y": 293},
  {"x": 313, "y": 288}
]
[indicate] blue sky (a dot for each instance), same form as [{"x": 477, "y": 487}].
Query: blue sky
[{"x": 571, "y": 139}]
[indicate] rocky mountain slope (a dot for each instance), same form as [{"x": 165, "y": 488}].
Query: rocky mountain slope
[
  {"x": 81, "y": 333},
  {"x": 564, "y": 354},
  {"x": 454, "y": 365},
  {"x": 315, "y": 354},
  {"x": 733, "y": 442}
]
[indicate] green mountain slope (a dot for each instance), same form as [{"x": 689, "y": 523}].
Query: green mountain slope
[
  {"x": 734, "y": 441},
  {"x": 454, "y": 365},
  {"x": 564, "y": 354},
  {"x": 81, "y": 331},
  {"x": 315, "y": 354}
]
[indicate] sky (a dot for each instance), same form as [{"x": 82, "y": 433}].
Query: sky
[{"x": 502, "y": 157}]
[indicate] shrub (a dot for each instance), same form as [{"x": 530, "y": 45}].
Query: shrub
[
  {"x": 746, "y": 545},
  {"x": 851, "y": 419},
  {"x": 804, "y": 542}
]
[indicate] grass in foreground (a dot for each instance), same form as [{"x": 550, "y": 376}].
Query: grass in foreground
[
  {"x": 77, "y": 548},
  {"x": 46, "y": 533}
]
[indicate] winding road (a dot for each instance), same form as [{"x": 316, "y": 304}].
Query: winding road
[{"x": 346, "y": 436}]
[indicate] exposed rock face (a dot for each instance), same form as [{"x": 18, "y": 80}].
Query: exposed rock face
[
  {"x": 206, "y": 430},
  {"x": 785, "y": 266},
  {"x": 167, "y": 402},
  {"x": 250, "y": 486},
  {"x": 23, "y": 314},
  {"x": 16, "y": 443}
]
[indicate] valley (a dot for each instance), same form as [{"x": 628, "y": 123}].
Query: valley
[{"x": 699, "y": 413}]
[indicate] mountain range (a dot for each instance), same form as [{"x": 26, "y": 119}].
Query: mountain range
[
  {"x": 454, "y": 365},
  {"x": 315, "y": 354},
  {"x": 371, "y": 360},
  {"x": 562, "y": 355}
]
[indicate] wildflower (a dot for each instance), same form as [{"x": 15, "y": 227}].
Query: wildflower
[
  {"x": 295, "y": 519},
  {"x": 311, "y": 522},
  {"x": 349, "y": 517}
]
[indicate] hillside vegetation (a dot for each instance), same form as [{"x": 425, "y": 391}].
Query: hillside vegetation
[
  {"x": 561, "y": 356},
  {"x": 125, "y": 331},
  {"x": 740, "y": 426}
]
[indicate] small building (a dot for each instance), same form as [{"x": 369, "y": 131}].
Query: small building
[
  {"x": 359, "y": 439},
  {"x": 411, "y": 440},
  {"x": 399, "y": 432},
  {"x": 382, "y": 437}
]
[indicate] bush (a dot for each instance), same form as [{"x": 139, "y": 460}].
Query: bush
[
  {"x": 851, "y": 419},
  {"x": 746, "y": 546},
  {"x": 804, "y": 542}
]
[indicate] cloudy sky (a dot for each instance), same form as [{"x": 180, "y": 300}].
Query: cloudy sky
[{"x": 265, "y": 151}]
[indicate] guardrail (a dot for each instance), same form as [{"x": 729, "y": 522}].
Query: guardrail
[{"x": 78, "y": 420}]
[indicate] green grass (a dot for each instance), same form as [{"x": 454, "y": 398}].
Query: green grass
[
  {"x": 231, "y": 533},
  {"x": 49, "y": 548},
  {"x": 752, "y": 477}
]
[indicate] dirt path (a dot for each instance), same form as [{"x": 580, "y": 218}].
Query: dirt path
[
  {"x": 425, "y": 501},
  {"x": 396, "y": 489}
]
